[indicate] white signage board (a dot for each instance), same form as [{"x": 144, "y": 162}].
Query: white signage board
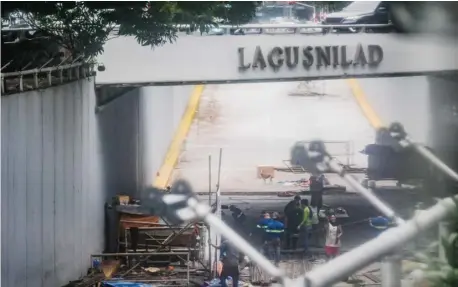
[{"x": 223, "y": 59}]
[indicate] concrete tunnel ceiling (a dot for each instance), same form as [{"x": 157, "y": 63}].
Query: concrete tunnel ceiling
[{"x": 267, "y": 58}]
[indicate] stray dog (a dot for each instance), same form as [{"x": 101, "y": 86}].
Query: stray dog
[{"x": 266, "y": 176}]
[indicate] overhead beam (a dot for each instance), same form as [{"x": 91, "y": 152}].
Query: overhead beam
[{"x": 262, "y": 58}]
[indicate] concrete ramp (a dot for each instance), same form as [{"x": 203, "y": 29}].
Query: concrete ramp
[
  {"x": 257, "y": 124},
  {"x": 260, "y": 58}
]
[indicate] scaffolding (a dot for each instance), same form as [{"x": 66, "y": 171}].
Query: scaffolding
[{"x": 112, "y": 272}]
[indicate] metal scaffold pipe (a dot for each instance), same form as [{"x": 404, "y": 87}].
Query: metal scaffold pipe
[{"x": 210, "y": 204}]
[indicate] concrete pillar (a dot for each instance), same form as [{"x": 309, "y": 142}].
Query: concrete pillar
[
  {"x": 443, "y": 135},
  {"x": 444, "y": 117}
]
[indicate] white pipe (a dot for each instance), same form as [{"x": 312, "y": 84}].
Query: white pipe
[
  {"x": 374, "y": 249},
  {"x": 391, "y": 270}
]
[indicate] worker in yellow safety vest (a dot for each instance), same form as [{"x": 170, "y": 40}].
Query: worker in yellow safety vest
[{"x": 306, "y": 225}]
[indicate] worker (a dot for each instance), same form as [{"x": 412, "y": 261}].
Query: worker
[
  {"x": 262, "y": 225},
  {"x": 316, "y": 190},
  {"x": 315, "y": 234},
  {"x": 231, "y": 258},
  {"x": 296, "y": 216},
  {"x": 333, "y": 232},
  {"x": 291, "y": 205},
  {"x": 306, "y": 225},
  {"x": 275, "y": 231},
  {"x": 238, "y": 215}
]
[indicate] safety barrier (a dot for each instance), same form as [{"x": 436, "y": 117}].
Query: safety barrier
[
  {"x": 265, "y": 28},
  {"x": 43, "y": 76},
  {"x": 183, "y": 205}
]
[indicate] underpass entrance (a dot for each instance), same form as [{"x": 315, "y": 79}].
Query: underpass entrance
[{"x": 261, "y": 59}]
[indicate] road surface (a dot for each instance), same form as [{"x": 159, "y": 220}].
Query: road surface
[{"x": 257, "y": 124}]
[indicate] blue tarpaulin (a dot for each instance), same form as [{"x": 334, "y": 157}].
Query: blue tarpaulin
[{"x": 125, "y": 284}]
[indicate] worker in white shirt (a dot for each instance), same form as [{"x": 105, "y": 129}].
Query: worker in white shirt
[{"x": 333, "y": 234}]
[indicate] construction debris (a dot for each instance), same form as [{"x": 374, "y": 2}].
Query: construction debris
[
  {"x": 216, "y": 282},
  {"x": 124, "y": 284}
]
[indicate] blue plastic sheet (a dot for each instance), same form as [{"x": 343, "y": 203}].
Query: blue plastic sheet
[
  {"x": 125, "y": 284},
  {"x": 217, "y": 283}
]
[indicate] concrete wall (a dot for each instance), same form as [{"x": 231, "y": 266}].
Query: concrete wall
[
  {"x": 444, "y": 118},
  {"x": 161, "y": 110},
  {"x": 426, "y": 106},
  {"x": 52, "y": 199},
  {"x": 61, "y": 161},
  {"x": 405, "y": 100},
  {"x": 136, "y": 131},
  {"x": 119, "y": 134}
]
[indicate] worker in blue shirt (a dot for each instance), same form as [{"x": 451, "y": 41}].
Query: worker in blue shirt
[
  {"x": 275, "y": 231},
  {"x": 262, "y": 225}
]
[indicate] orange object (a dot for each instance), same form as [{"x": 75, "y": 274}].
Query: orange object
[
  {"x": 123, "y": 199},
  {"x": 171, "y": 268},
  {"x": 135, "y": 220},
  {"x": 109, "y": 267},
  {"x": 265, "y": 170}
]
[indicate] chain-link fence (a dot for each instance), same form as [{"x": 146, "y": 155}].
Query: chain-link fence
[{"x": 182, "y": 205}]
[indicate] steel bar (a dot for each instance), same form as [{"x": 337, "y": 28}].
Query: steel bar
[
  {"x": 49, "y": 69},
  {"x": 218, "y": 201},
  {"x": 166, "y": 241},
  {"x": 45, "y": 64},
  {"x": 219, "y": 169},
  {"x": 256, "y": 26},
  {"x": 137, "y": 254},
  {"x": 153, "y": 227},
  {"x": 368, "y": 194},
  {"x": 203, "y": 211},
  {"x": 374, "y": 249},
  {"x": 428, "y": 155},
  {"x": 6, "y": 65},
  {"x": 210, "y": 263}
]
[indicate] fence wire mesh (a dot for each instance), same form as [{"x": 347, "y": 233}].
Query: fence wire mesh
[{"x": 182, "y": 205}]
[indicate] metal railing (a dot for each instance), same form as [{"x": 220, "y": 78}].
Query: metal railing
[
  {"x": 182, "y": 205},
  {"x": 44, "y": 77},
  {"x": 263, "y": 28}
]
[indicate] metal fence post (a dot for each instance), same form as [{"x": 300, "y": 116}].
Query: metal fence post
[
  {"x": 391, "y": 271},
  {"x": 210, "y": 203},
  {"x": 443, "y": 233}
]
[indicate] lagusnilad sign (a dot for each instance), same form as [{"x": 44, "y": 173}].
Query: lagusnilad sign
[{"x": 310, "y": 56}]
